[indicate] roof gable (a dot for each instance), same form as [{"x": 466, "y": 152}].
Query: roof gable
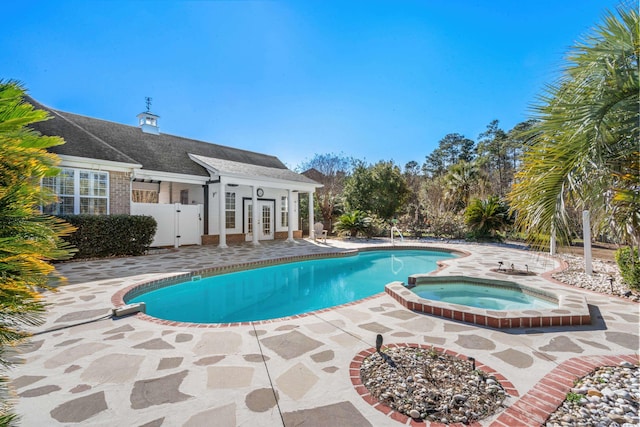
[{"x": 231, "y": 168}]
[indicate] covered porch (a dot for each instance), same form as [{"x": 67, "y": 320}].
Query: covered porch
[{"x": 249, "y": 203}]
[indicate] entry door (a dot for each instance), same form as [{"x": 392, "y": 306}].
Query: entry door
[{"x": 266, "y": 220}]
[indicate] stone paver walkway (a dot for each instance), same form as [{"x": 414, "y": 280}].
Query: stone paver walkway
[{"x": 129, "y": 371}]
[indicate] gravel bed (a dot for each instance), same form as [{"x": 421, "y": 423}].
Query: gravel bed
[
  {"x": 605, "y": 279},
  {"x": 430, "y": 385},
  {"x": 608, "y": 396}
]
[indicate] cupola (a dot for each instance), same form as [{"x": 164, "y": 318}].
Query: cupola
[{"x": 147, "y": 121}]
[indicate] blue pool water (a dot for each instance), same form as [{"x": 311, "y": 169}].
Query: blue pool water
[
  {"x": 286, "y": 289},
  {"x": 487, "y": 297}
]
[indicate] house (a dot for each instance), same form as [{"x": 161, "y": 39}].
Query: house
[{"x": 199, "y": 193}]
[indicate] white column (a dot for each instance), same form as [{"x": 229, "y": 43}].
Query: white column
[
  {"x": 586, "y": 237},
  {"x": 552, "y": 243},
  {"x": 290, "y": 215},
  {"x": 221, "y": 211},
  {"x": 311, "y": 219},
  {"x": 254, "y": 215}
]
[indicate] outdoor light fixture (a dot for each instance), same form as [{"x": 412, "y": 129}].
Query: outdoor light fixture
[{"x": 473, "y": 363}]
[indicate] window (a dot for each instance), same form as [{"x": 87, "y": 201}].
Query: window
[
  {"x": 79, "y": 192},
  {"x": 230, "y": 210},
  {"x": 284, "y": 211},
  {"x": 144, "y": 196}
]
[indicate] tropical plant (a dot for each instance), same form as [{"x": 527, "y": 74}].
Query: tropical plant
[
  {"x": 28, "y": 239},
  {"x": 353, "y": 222},
  {"x": 462, "y": 181},
  {"x": 586, "y": 138},
  {"x": 486, "y": 217}
]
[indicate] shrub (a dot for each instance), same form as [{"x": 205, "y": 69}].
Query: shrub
[
  {"x": 485, "y": 218},
  {"x": 447, "y": 224},
  {"x": 353, "y": 223},
  {"x": 111, "y": 235},
  {"x": 629, "y": 266},
  {"x": 376, "y": 227}
]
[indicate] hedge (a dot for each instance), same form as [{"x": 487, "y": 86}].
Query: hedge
[
  {"x": 110, "y": 235},
  {"x": 629, "y": 268}
]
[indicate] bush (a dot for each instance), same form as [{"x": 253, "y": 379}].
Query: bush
[
  {"x": 485, "y": 218},
  {"x": 111, "y": 235},
  {"x": 353, "y": 223},
  {"x": 447, "y": 224},
  {"x": 629, "y": 267}
]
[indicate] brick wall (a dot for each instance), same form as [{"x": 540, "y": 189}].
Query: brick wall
[
  {"x": 214, "y": 239},
  {"x": 119, "y": 193}
]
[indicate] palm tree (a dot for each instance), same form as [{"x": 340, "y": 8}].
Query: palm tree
[
  {"x": 28, "y": 239},
  {"x": 586, "y": 137},
  {"x": 462, "y": 181},
  {"x": 486, "y": 217}
]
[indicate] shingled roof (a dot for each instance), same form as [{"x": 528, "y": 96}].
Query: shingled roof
[
  {"x": 228, "y": 167},
  {"x": 99, "y": 139}
]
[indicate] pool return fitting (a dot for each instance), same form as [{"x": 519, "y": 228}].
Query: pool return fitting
[{"x": 128, "y": 309}]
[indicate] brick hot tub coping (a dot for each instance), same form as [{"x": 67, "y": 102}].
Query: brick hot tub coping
[{"x": 572, "y": 310}]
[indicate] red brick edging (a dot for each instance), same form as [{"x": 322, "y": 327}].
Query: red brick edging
[
  {"x": 534, "y": 408},
  {"x": 531, "y": 410},
  {"x": 354, "y": 373}
]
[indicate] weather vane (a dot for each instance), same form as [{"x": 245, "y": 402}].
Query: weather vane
[{"x": 148, "y": 101}]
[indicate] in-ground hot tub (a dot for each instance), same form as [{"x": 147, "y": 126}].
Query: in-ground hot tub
[{"x": 570, "y": 310}]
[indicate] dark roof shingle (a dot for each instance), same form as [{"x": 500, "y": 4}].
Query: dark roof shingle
[{"x": 99, "y": 139}]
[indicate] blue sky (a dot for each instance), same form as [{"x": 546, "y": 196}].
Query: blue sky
[{"x": 376, "y": 80}]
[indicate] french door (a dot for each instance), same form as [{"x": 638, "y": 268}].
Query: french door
[{"x": 266, "y": 220}]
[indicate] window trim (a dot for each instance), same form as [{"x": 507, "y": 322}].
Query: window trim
[
  {"x": 230, "y": 209},
  {"x": 284, "y": 211},
  {"x": 77, "y": 196}
]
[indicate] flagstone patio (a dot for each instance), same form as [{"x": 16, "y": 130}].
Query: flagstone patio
[{"x": 293, "y": 371}]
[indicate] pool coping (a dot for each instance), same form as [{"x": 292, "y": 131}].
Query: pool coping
[{"x": 119, "y": 298}]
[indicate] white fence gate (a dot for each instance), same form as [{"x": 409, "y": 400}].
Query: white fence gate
[{"x": 177, "y": 224}]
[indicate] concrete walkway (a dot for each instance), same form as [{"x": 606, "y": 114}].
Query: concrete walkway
[{"x": 290, "y": 372}]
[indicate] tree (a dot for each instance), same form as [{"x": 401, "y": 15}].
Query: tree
[
  {"x": 518, "y": 139},
  {"x": 492, "y": 154},
  {"x": 586, "y": 140},
  {"x": 463, "y": 181},
  {"x": 28, "y": 239},
  {"x": 453, "y": 148},
  {"x": 379, "y": 189},
  {"x": 330, "y": 170},
  {"x": 413, "y": 208}
]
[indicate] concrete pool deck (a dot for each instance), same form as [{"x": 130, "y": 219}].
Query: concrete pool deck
[{"x": 131, "y": 371}]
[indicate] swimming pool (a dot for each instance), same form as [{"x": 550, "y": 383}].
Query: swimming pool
[{"x": 286, "y": 289}]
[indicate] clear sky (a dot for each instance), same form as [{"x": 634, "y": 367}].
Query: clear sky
[{"x": 376, "y": 80}]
